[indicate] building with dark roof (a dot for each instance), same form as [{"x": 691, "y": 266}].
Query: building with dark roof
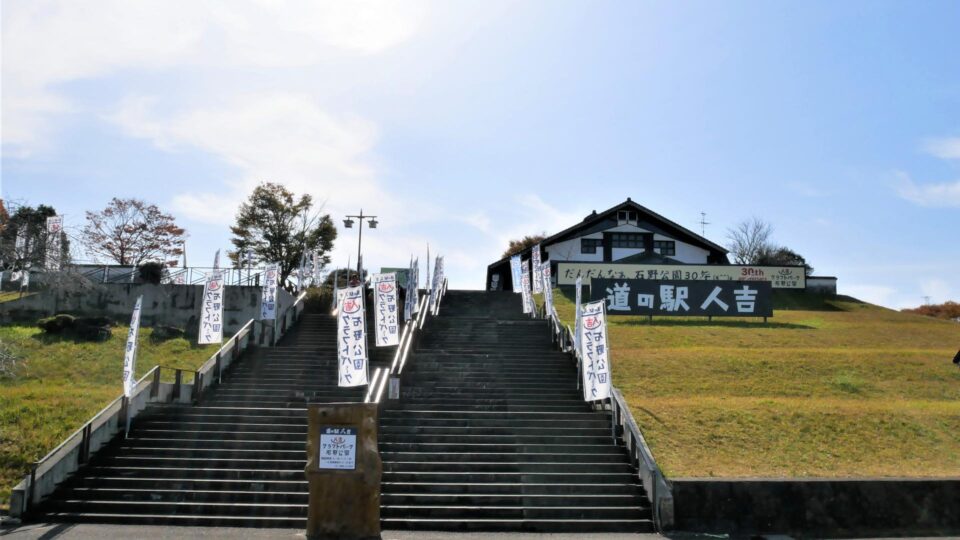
[{"x": 625, "y": 233}]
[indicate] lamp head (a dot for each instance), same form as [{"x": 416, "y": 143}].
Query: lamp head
[
  {"x": 373, "y": 223},
  {"x": 348, "y": 223}
]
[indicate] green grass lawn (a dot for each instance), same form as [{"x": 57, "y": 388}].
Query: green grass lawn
[
  {"x": 60, "y": 384},
  {"x": 829, "y": 388}
]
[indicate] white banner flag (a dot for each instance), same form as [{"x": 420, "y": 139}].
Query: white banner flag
[
  {"x": 579, "y": 310},
  {"x": 21, "y": 243},
  {"x": 351, "y": 338},
  {"x": 537, "y": 277},
  {"x": 416, "y": 286},
  {"x": 408, "y": 299},
  {"x": 432, "y": 307},
  {"x": 525, "y": 287},
  {"x": 211, "y": 310},
  {"x": 515, "y": 274},
  {"x": 25, "y": 279},
  {"x": 54, "y": 229},
  {"x": 130, "y": 355},
  {"x": 547, "y": 290},
  {"x": 385, "y": 309},
  {"x": 596, "y": 353},
  {"x": 268, "y": 294}
]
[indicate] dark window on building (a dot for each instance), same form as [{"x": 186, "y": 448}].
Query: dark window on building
[
  {"x": 665, "y": 247},
  {"x": 590, "y": 245},
  {"x": 626, "y": 216},
  {"x": 626, "y": 240}
]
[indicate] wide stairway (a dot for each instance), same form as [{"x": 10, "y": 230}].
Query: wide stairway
[
  {"x": 491, "y": 432},
  {"x": 236, "y": 459}
]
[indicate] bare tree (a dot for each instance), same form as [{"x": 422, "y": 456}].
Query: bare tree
[
  {"x": 131, "y": 232},
  {"x": 749, "y": 240}
]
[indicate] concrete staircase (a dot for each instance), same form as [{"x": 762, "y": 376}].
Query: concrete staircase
[
  {"x": 491, "y": 433},
  {"x": 237, "y": 459}
]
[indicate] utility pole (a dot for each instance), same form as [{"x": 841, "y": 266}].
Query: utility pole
[{"x": 926, "y": 300}]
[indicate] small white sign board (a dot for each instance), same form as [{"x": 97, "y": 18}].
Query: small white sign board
[{"x": 338, "y": 448}]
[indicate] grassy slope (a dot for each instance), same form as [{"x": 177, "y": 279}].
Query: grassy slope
[
  {"x": 828, "y": 389},
  {"x": 61, "y": 383}
]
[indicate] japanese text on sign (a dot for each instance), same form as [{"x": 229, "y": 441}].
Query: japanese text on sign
[
  {"x": 525, "y": 287},
  {"x": 268, "y": 300},
  {"x": 386, "y": 316},
  {"x": 537, "y": 276},
  {"x": 594, "y": 353},
  {"x": 780, "y": 277},
  {"x": 351, "y": 338},
  {"x": 338, "y": 448},
  {"x": 211, "y": 310},
  {"x": 678, "y": 298},
  {"x": 130, "y": 354}
]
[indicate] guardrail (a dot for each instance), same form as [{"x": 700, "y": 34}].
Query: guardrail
[
  {"x": 408, "y": 338},
  {"x": 658, "y": 488},
  {"x": 75, "y": 451}
]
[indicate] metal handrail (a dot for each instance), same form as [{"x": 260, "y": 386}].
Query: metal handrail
[
  {"x": 658, "y": 488},
  {"x": 77, "y": 448}
]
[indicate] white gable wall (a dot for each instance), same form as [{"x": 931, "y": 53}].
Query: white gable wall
[{"x": 569, "y": 250}]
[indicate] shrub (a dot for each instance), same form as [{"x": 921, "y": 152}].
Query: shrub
[
  {"x": 56, "y": 324},
  {"x": 80, "y": 328},
  {"x": 151, "y": 272},
  {"x": 163, "y": 333}
]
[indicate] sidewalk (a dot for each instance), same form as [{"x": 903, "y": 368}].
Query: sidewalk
[{"x": 68, "y": 531}]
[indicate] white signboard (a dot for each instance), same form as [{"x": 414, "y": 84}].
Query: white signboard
[
  {"x": 54, "y": 228},
  {"x": 515, "y": 273},
  {"x": 537, "y": 277},
  {"x": 130, "y": 354},
  {"x": 595, "y": 354},
  {"x": 338, "y": 448},
  {"x": 385, "y": 309},
  {"x": 211, "y": 310},
  {"x": 525, "y": 284},
  {"x": 781, "y": 277},
  {"x": 547, "y": 289},
  {"x": 268, "y": 294},
  {"x": 579, "y": 309},
  {"x": 351, "y": 338}
]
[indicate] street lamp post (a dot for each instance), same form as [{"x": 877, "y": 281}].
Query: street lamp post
[{"x": 348, "y": 223}]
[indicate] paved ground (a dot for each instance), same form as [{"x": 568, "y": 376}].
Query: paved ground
[
  {"x": 102, "y": 532},
  {"x": 51, "y": 531}
]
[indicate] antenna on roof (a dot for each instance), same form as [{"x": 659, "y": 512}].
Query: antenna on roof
[
  {"x": 926, "y": 300},
  {"x": 703, "y": 223}
]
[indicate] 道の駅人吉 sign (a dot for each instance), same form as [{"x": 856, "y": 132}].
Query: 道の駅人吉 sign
[
  {"x": 682, "y": 298},
  {"x": 338, "y": 448}
]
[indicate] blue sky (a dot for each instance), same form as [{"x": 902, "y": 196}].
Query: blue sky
[{"x": 465, "y": 124}]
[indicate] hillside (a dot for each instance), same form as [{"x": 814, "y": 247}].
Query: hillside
[
  {"x": 59, "y": 384},
  {"x": 829, "y": 388}
]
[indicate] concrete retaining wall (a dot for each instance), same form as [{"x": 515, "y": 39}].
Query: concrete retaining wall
[
  {"x": 819, "y": 507},
  {"x": 175, "y": 305}
]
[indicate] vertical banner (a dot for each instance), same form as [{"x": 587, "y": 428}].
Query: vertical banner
[
  {"x": 579, "y": 310},
  {"x": 211, "y": 310},
  {"x": 268, "y": 295},
  {"x": 316, "y": 268},
  {"x": 434, "y": 286},
  {"x": 408, "y": 297},
  {"x": 416, "y": 286},
  {"x": 537, "y": 277},
  {"x": 25, "y": 279},
  {"x": 21, "y": 243},
  {"x": 385, "y": 305},
  {"x": 547, "y": 289},
  {"x": 216, "y": 261},
  {"x": 515, "y": 274},
  {"x": 336, "y": 291},
  {"x": 596, "y": 354},
  {"x": 525, "y": 287},
  {"x": 54, "y": 230},
  {"x": 351, "y": 338},
  {"x": 130, "y": 354}
]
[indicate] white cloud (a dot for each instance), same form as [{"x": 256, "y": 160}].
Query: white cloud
[
  {"x": 944, "y": 194},
  {"x": 943, "y": 148},
  {"x": 49, "y": 43}
]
